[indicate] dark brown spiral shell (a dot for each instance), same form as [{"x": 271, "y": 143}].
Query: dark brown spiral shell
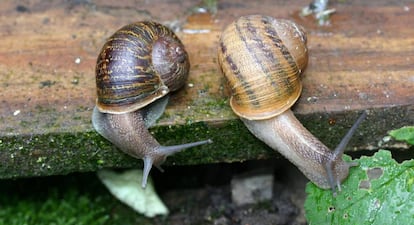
[
  {"x": 262, "y": 59},
  {"x": 139, "y": 63}
]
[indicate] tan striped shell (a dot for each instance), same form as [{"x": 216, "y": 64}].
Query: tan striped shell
[
  {"x": 139, "y": 64},
  {"x": 262, "y": 59}
]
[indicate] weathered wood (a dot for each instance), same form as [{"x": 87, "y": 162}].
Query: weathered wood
[{"x": 363, "y": 60}]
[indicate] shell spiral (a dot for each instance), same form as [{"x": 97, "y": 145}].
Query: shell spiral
[
  {"x": 262, "y": 59},
  {"x": 139, "y": 63}
]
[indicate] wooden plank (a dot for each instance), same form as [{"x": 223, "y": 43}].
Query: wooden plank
[{"x": 363, "y": 60}]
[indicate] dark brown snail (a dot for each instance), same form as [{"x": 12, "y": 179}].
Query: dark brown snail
[
  {"x": 262, "y": 59},
  {"x": 136, "y": 69}
]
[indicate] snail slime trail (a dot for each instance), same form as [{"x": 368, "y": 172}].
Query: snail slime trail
[{"x": 137, "y": 68}]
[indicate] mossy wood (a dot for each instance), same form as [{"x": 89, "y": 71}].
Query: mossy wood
[{"x": 363, "y": 60}]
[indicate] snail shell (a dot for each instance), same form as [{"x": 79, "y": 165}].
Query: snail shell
[
  {"x": 139, "y": 64},
  {"x": 136, "y": 69},
  {"x": 262, "y": 59}
]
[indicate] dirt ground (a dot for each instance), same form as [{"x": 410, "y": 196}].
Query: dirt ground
[{"x": 206, "y": 196}]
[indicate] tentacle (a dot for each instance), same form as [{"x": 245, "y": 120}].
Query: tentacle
[
  {"x": 148, "y": 161},
  {"x": 161, "y": 153},
  {"x": 339, "y": 150},
  {"x": 333, "y": 180},
  {"x": 169, "y": 150}
]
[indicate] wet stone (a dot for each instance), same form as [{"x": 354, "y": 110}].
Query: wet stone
[{"x": 251, "y": 188}]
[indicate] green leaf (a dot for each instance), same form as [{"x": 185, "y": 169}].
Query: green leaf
[
  {"x": 378, "y": 191},
  {"x": 404, "y": 134},
  {"x": 127, "y": 188}
]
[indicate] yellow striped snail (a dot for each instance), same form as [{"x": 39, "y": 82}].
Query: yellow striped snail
[
  {"x": 262, "y": 58},
  {"x": 137, "y": 68}
]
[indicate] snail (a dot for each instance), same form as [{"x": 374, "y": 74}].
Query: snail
[
  {"x": 137, "y": 68},
  {"x": 262, "y": 58}
]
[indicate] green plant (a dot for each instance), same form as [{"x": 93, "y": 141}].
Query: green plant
[{"x": 378, "y": 191}]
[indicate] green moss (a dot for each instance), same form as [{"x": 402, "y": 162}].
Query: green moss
[
  {"x": 63, "y": 153},
  {"x": 235, "y": 141},
  {"x": 60, "y": 154},
  {"x": 25, "y": 124},
  {"x": 42, "y": 109}
]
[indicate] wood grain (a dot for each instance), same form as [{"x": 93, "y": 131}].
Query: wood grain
[{"x": 363, "y": 60}]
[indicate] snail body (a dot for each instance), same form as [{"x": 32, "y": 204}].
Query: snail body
[
  {"x": 262, "y": 59},
  {"x": 137, "y": 68}
]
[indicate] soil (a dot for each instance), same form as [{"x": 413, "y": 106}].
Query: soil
[{"x": 207, "y": 197}]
